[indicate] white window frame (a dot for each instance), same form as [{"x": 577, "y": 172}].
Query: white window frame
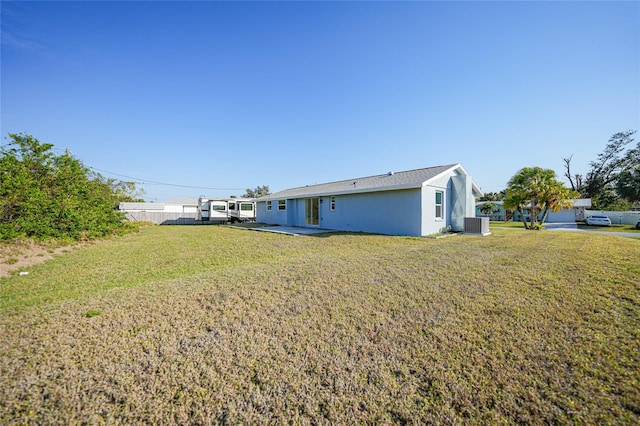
[
  {"x": 282, "y": 205},
  {"x": 439, "y": 205},
  {"x": 332, "y": 203},
  {"x": 269, "y": 206}
]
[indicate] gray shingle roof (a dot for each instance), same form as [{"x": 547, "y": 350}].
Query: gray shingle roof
[
  {"x": 141, "y": 206},
  {"x": 182, "y": 201},
  {"x": 386, "y": 182}
]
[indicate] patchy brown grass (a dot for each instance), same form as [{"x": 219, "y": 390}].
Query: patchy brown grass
[
  {"x": 22, "y": 254},
  {"x": 179, "y": 325}
]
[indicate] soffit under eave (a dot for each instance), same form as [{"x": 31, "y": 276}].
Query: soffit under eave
[{"x": 332, "y": 193}]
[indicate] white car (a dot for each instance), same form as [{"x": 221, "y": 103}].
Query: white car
[{"x": 598, "y": 220}]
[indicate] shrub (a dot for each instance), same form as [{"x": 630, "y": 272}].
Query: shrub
[{"x": 45, "y": 196}]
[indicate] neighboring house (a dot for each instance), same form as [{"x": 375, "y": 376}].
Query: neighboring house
[
  {"x": 135, "y": 207},
  {"x": 417, "y": 202},
  {"x": 177, "y": 211},
  {"x": 499, "y": 214},
  {"x": 181, "y": 205},
  {"x": 575, "y": 213}
]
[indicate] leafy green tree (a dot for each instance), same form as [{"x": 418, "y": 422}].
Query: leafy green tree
[
  {"x": 488, "y": 208},
  {"x": 122, "y": 191},
  {"x": 25, "y": 174},
  {"x": 600, "y": 183},
  {"x": 47, "y": 196},
  {"x": 538, "y": 190},
  {"x": 556, "y": 198},
  {"x": 628, "y": 185},
  {"x": 260, "y": 191},
  {"x": 492, "y": 196},
  {"x": 517, "y": 196}
]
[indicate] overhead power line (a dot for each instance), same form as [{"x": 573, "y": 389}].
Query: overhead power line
[
  {"x": 148, "y": 182},
  {"x": 152, "y": 182}
]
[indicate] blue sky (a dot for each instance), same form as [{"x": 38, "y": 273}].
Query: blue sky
[{"x": 222, "y": 96}]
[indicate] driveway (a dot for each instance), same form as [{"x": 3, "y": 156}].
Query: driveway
[
  {"x": 574, "y": 227},
  {"x": 561, "y": 225}
]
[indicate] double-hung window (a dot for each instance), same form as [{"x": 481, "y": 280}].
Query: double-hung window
[
  {"x": 282, "y": 204},
  {"x": 439, "y": 205},
  {"x": 269, "y": 205},
  {"x": 332, "y": 202}
]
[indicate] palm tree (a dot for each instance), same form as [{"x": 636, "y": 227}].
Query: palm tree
[
  {"x": 488, "y": 208},
  {"x": 537, "y": 189},
  {"x": 515, "y": 201},
  {"x": 556, "y": 198}
]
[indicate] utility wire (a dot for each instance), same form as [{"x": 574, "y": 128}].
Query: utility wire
[
  {"x": 149, "y": 182},
  {"x": 145, "y": 182}
]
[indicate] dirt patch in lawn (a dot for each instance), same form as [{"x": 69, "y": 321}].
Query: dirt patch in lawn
[{"x": 22, "y": 254}]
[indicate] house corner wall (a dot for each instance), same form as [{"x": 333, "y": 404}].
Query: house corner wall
[{"x": 462, "y": 203}]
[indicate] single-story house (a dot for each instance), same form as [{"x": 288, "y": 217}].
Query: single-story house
[
  {"x": 176, "y": 205},
  {"x": 175, "y": 211},
  {"x": 574, "y": 213},
  {"x": 416, "y": 202},
  {"x": 500, "y": 214}
]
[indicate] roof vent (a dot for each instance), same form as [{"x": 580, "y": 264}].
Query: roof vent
[{"x": 390, "y": 174}]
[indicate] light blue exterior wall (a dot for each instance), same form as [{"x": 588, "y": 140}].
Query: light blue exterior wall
[
  {"x": 395, "y": 212},
  {"x": 463, "y": 203},
  {"x": 387, "y": 212},
  {"x": 275, "y": 216},
  {"x": 429, "y": 223},
  {"x": 564, "y": 215}
]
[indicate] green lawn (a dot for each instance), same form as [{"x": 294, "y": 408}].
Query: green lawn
[
  {"x": 184, "y": 325},
  {"x": 612, "y": 228},
  {"x": 502, "y": 224}
]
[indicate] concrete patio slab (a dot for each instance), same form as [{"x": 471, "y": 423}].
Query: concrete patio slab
[{"x": 292, "y": 230}]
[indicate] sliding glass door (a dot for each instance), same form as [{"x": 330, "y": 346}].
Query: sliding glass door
[{"x": 312, "y": 211}]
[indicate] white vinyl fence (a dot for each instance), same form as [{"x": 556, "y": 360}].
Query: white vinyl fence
[
  {"x": 618, "y": 218},
  {"x": 163, "y": 218}
]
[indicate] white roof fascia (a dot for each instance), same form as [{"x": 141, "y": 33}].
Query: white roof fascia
[
  {"x": 439, "y": 175},
  {"x": 358, "y": 190},
  {"x": 354, "y": 191},
  {"x": 458, "y": 166},
  {"x": 272, "y": 197}
]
